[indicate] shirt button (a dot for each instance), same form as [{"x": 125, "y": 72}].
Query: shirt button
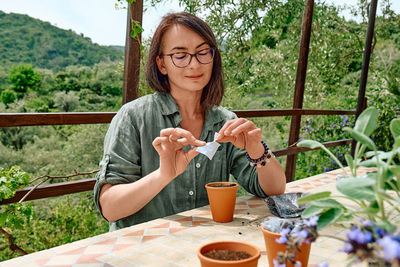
[
  {"x": 198, "y": 165},
  {"x": 191, "y": 193}
]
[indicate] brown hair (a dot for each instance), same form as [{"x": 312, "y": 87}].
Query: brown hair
[{"x": 214, "y": 90}]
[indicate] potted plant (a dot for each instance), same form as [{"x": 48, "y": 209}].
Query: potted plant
[
  {"x": 372, "y": 235},
  {"x": 228, "y": 253}
]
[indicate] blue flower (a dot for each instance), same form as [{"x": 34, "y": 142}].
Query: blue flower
[
  {"x": 324, "y": 264},
  {"x": 391, "y": 248}
]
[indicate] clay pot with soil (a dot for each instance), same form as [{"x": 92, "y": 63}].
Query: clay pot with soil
[
  {"x": 273, "y": 248},
  {"x": 228, "y": 253},
  {"x": 222, "y": 198}
]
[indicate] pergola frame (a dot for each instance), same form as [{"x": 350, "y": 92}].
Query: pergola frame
[{"x": 131, "y": 91}]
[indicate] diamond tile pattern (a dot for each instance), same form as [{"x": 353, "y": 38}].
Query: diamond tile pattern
[{"x": 174, "y": 240}]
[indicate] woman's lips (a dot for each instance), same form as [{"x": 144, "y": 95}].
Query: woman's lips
[{"x": 195, "y": 77}]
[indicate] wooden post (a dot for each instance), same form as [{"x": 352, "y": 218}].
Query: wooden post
[
  {"x": 130, "y": 88},
  {"x": 362, "y": 101},
  {"x": 299, "y": 85}
]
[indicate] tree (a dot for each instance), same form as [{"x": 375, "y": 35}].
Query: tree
[
  {"x": 66, "y": 101},
  {"x": 8, "y": 97},
  {"x": 23, "y": 77}
]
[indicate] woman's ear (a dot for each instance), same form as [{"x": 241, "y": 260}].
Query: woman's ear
[{"x": 160, "y": 65}]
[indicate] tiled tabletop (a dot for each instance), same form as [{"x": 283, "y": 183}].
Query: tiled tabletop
[{"x": 174, "y": 240}]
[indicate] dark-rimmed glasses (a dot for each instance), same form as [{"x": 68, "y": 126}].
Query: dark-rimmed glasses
[{"x": 183, "y": 59}]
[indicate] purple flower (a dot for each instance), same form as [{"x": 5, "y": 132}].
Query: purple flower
[
  {"x": 312, "y": 222},
  {"x": 367, "y": 223},
  {"x": 348, "y": 248},
  {"x": 391, "y": 248},
  {"x": 301, "y": 234},
  {"x": 324, "y": 264},
  {"x": 277, "y": 264},
  {"x": 359, "y": 236},
  {"x": 284, "y": 234}
]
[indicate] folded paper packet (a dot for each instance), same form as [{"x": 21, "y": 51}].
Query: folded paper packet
[
  {"x": 285, "y": 205},
  {"x": 210, "y": 148}
]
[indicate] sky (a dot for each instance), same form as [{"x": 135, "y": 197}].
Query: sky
[{"x": 100, "y": 20}]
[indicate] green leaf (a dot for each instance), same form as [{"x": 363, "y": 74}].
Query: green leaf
[
  {"x": 368, "y": 163},
  {"x": 357, "y": 188},
  {"x": 328, "y": 217},
  {"x": 312, "y": 197},
  {"x": 328, "y": 203},
  {"x": 349, "y": 160},
  {"x": 367, "y": 121},
  {"x": 360, "y": 137},
  {"x": 311, "y": 211},
  {"x": 395, "y": 128},
  {"x": 309, "y": 143}
]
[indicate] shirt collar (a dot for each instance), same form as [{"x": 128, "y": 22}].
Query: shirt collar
[{"x": 169, "y": 106}]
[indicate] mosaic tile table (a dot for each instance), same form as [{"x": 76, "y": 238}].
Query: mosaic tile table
[{"x": 174, "y": 240}]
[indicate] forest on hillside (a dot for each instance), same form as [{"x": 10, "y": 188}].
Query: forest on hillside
[{"x": 45, "y": 69}]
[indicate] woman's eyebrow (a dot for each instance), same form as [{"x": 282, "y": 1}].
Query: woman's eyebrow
[{"x": 185, "y": 48}]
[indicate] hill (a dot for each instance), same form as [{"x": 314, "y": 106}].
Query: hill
[{"x": 32, "y": 41}]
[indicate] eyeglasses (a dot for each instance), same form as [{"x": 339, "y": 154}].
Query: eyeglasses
[{"x": 183, "y": 59}]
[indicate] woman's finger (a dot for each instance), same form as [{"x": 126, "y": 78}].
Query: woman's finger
[
  {"x": 245, "y": 127},
  {"x": 176, "y": 134},
  {"x": 221, "y": 132},
  {"x": 235, "y": 123}
]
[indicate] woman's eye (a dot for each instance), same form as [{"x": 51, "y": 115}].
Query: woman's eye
[{"x": 179, "y": 56}]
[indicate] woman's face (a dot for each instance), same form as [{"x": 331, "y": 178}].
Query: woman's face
[{"x": 195, "y": 76}]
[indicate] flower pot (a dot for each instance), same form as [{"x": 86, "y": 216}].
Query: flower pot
[
  {"x": 222, "y": 198},
  {"x": 274, "y": 247},
  {"x": 253, "y": 251}
]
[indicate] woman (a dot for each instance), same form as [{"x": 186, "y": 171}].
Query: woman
[{"x": 149, "y": 169}]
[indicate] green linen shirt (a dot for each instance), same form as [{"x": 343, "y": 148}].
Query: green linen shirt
[{"x": 129, "y": 155}]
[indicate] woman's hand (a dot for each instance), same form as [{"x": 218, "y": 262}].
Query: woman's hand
[
  {"x": 173, "y": 160},
  {"x": 243, "y": 134}
]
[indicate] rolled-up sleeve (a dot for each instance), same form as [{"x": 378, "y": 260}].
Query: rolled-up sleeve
[
  {"x": 244, "y": 173},
  {"x": 121, "y": 158}
]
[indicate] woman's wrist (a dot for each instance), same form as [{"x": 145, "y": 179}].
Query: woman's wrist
[{"x": 256, "y": 150}]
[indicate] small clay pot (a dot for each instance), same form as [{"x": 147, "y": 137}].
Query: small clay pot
[
  {"x": 222, "y": 198},
  {"x": 273, "y": 248},
  {"x": 252, "y": 261}
]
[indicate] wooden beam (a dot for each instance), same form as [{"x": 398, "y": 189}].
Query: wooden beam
[
  {"x": 53, "y": 190},
  {"x": 130, "y": 88},
  {"x": 362, "y": 101},
  {"x": 63, "y": 118},
  {"x": 59, "y": 118},
  {"x": 299, "y": 85}
]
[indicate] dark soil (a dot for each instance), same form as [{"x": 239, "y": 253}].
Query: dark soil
[
  {"x": 222, "y": 185},
  {"x": 227, "y": 255}
]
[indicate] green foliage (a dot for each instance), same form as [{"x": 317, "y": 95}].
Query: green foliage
[
  {"x": 66, "y": 101},
  {"x": 31, "y": 41},
  {"x": 8, "y": 97},
  {"x": 56, "y": 221},
  {"x": 24, "y": 78},
  {"x": 368, "y": 192},
  {"x": 11, "y": 180}
]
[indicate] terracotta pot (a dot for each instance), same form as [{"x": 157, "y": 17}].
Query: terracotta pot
[
  {"x": 222, "y": 198},
  {"x": 229, "y": 245},
  {"x": 274, "y": 247}
]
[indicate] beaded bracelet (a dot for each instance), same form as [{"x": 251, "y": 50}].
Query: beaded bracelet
[{"x": 263, "y": 160}]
